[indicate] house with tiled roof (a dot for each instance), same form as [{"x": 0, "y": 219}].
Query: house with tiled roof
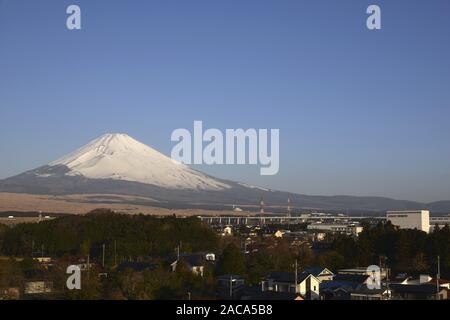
[
  {"x": 323, "y": 274},
  {"x": 306, "y": 285}
]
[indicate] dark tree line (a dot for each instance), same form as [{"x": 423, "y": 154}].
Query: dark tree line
[
  {"x": 128, "y": 236},
  {"x": 403, "y": 250}
]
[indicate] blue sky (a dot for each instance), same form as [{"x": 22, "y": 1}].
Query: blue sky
[{"x": 360, "y": 112}]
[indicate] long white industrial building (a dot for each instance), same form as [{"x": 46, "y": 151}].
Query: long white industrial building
[{"x": 411, "y": 219}]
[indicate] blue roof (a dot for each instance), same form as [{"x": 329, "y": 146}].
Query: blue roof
[
  {"x": 315, "y": 271},
  {"x": 288, "y": 277},
  {"x": 334, "y": 285},
  {"x": 136, "y": 266}
]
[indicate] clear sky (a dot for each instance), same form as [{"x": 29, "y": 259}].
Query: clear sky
[{"x": 360, "y": 112}]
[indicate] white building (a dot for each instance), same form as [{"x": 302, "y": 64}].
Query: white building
[
  {"x": 38, "y": 287},
  {"x": 350, "y": 229},
  {"x": 418, "y": 219},
  {"x": 439, "y": 221},
  {"x": 210, "y": 257},
  {"x": 227, "y": 231}
]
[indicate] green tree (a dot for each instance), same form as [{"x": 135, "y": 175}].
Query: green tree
[
  {"x": 11, "y": 274},
  {"x": 232, "y": 261},
  {"x": 332, "y": 260}
]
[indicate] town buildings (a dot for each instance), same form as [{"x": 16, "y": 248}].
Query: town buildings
[{"x": 344, "y": 228}]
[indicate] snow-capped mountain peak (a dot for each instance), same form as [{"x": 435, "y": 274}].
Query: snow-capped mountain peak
[{"x": 120, "y": 157}]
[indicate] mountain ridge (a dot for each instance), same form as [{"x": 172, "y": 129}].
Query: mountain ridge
[{"x": 119, "y": 164}]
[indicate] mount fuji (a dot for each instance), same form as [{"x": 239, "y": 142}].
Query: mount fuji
[
  {"x": 120, "y": 157},
  {"x": 117, "y": 164}
]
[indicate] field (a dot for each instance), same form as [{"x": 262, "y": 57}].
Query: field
[{"x": 81, "y": 204}]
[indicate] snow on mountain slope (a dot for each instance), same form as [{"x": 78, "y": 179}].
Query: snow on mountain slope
[
  {"x": 253, "y": 187},
  {"x": 120, "y": 157}
]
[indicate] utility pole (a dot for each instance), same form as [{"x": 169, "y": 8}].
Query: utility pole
[
  {"x": 115, "y": 252},
  {"x": 382, "y": 260},
  {"x": 103, "y": 256},
  {"x": 231, "y": 287},
  {"x": 379, "y": 263},
  {"x": 296, "y": 276},
  {"x": 88, "y": 265},
  {"x": 387, "y": 279},
  {"x": 438, "y": 276},
  {"x": 381, "y": 271}
]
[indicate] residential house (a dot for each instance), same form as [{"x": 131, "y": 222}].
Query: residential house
[
  {"x": 418, "y": 292},
  {"x": 353, "y": 278},
  {"x": 306, "y": 285},
  {"x": 227, "y": 231},
  {"x": 12, "y": 293},
  {"x": 195, "y": 262},
  {"x": 38, "y": 287},
  {"x": 342, "y": 286},
  {"x": 279, "y": 233},
  {"x": 420, "y": 279},
  {"x": 364, "y": 293},
  {"x": 323, "y": 274},
  {"x": 210, "y": 257},
  {"x": 44, "y": 262},
  {"x": 43, "y": 259},
  {"x": 425, "y": 279},
  {"x": 442, "y": 283}
]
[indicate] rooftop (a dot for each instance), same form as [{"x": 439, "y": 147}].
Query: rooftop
[
  {"x": 413, "y": 288},
  {"x": 315, "y": 271},
  {"x": 287, "y": 277}
]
